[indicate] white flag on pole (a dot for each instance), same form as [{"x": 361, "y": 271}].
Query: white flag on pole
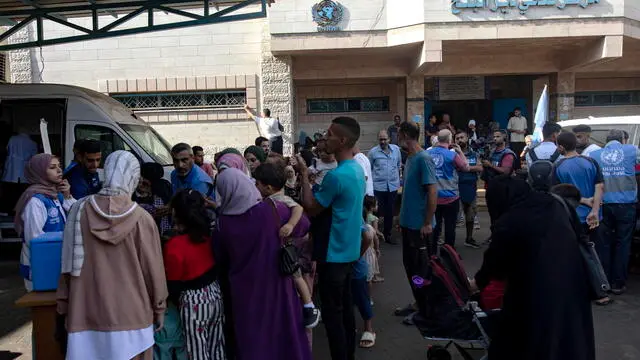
[
  {"x": 542, "y": 115},
  {"x": 44, "y": 135}
]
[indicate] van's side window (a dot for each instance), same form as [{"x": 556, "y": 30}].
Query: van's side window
[{"x": 110, "y": 141}]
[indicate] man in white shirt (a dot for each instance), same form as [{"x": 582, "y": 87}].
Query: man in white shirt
[
  {"x": 547, "y": 147},
  {"x": 19, "y": 150},
  {"x": 583, "y": 135},
  {"x": 267, "y": 127},
  {"x": 364, "y": 162},
  {"x": 518, "y": 128}
]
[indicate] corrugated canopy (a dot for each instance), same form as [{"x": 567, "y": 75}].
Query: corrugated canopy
[{"x": 15, "y": 15}]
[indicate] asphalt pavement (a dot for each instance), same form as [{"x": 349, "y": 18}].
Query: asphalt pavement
[{"x": 617, "y": 327}]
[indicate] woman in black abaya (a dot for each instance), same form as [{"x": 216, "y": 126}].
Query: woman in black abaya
[{"x": 546, "y": 312}]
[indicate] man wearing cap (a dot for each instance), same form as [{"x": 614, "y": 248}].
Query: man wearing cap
[
  {"x": 471, "y": 132},
  {"x": 518, "y": 129},
  {"x": 583, "y": 134},
  {"x": 618, "y": 161}
]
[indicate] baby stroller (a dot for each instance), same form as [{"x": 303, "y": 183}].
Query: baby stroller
[{"x": 447, "y": 315}]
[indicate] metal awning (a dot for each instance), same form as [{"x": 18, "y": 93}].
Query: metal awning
[{"x": 16, "y": 14}]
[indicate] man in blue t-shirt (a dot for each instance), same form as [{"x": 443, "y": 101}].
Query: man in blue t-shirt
[
  {"x": 339, "y": 199},
  {"x": 83, "y": 177},
  {"x": 583, "y": 173},
  {"x": 419, "y": 201},
  {"x": 187, "y": 174}
]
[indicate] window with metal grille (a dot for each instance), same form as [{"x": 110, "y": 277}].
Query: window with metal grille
[
  {"x": 322, "y": 106},
  {"x": 607, "y": 98},
  {"x": 232, "y": 99},
  {"x": 3, "y": 67}
]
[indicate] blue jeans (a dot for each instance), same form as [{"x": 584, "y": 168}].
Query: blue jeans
[
  {"x": 619, "y": 222},
  {"x": 386, "y": 202},
  {"x": 361, "y": 299}
]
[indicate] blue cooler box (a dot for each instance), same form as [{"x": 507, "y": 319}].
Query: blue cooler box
[{"x": 46, "y": 260}]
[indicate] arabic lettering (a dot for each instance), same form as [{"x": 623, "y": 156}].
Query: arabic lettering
[{"x": 457, "y": 6}]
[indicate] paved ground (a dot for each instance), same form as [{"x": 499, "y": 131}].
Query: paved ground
[{"x": 617, "y": 326}]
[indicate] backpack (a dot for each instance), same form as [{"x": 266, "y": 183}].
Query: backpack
[
  {"x": 441, "y": 296},
  {"x": 540, "y": 171}
]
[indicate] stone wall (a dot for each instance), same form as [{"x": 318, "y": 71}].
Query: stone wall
[
  {"x": 276, "y": 90},
  {"x": 21, "y": 67}
]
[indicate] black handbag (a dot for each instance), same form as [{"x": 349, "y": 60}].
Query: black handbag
[
  {"x": 289, "y": 263},
  {"x": 599, "y": 284}
]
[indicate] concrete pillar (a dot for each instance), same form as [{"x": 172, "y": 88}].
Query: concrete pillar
[
  {"x": 562, "y": 90},
  {"x": 277, "y": 91},
  {"x": 415, "y": 100}
]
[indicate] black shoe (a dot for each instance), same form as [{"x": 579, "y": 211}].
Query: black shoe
[
  {"x": 619, "y": 291},
  {"x": 311, "y": 317},
  {"x": 471, "y": 243}
]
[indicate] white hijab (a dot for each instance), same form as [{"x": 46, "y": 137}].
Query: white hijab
[{"x": 121, "y": 173}]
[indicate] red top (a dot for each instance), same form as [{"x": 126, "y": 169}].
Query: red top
[{"x": 186, "y": 260}]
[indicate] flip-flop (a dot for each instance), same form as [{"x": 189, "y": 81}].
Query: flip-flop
[
  {"x": 368, "y": 340},
  {"x": 404, "y": 311},
  {"x": 609, "y": 301}
]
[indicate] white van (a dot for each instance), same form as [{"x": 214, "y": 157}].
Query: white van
[
  {"x": 73, "y": 113},
  {"x": 600, "y": 127}
]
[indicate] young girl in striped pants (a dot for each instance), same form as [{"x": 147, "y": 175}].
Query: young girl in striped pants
[{"x": 192, "y": 278}]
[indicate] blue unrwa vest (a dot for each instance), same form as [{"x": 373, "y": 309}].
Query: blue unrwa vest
[
  {"x": 55, "y": 219},
  {"x": 446, "y": 172},
  {"x": 55, "y": 222},
  {"x": 618, "y": 162},
  {"x": 470, "y": 177}
]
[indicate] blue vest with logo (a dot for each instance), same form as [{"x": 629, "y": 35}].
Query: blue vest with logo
[
  {"x": 446, "y": 172},
  {"x": 617, "y": 163},
  {"x": 55, "y": 219},
  {"x": 55, "y": 222},
  {"x": 470, "y": 177}
]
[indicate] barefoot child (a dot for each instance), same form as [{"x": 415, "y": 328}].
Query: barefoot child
[
  {"x": 270, "y": 180},
  {"x": 373, "y": 252}
]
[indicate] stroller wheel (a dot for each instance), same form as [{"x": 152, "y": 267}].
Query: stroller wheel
[{"x": 437, "y": 352}]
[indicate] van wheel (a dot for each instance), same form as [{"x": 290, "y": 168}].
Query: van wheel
[{"x": 437, "y": 352}]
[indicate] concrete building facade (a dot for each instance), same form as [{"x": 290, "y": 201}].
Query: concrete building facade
[{"x": 312, "y": 60}]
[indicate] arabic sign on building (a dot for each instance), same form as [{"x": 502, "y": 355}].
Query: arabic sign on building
[
  {"x": 460, "y": 88},
  {"x": 457, "y": 6},
  {"x": 328, "y": 15}
]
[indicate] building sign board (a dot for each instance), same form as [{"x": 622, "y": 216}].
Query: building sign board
[
  {"x": 328, "y": 15},
  {"x": 503, "y": 6},
  {"x": 461, "y": 88}
]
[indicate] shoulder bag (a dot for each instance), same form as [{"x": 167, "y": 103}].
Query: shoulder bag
[
  {"x": 289, "y": 263},
  {"x": 599, "y": 284}
]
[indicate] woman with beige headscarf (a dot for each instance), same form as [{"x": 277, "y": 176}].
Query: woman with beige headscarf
[{"x": 112, "y": 288}]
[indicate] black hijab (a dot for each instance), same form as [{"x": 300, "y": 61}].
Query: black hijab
[
  {"x": 505, "y": 192},
  {"x": 160, "y": 187}
]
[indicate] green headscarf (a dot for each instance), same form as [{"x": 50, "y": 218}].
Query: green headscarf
[{"x": 257, "y": 152}]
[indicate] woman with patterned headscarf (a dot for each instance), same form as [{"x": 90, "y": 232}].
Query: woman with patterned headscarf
[{"x": 113, "y": 288}]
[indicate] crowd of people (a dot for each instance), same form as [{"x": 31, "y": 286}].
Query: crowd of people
[{"x": 223, "y": 261}]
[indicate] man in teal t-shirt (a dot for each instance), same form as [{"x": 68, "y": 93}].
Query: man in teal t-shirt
[
  {"x": 419, "y": 201},
  {"x": 338, "y": 205}
]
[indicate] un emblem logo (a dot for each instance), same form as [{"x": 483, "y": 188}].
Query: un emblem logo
[
  {"x": 327, "y": 14},
  {"x": 612, "y": 157},
  {"x": 438, "y": 160}
]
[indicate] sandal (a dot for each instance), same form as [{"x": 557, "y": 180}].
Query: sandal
[
  {"x": 378, "y": 279},
  {"x": 602, "y": 302},
  {"x": 368, "y": 340},
  {"x": 404, "y": 311}
]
